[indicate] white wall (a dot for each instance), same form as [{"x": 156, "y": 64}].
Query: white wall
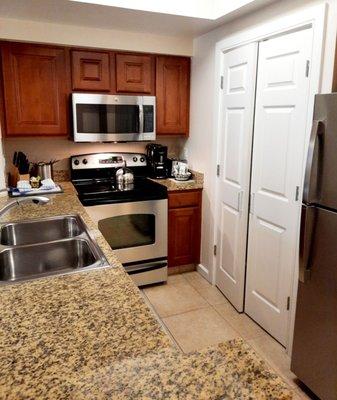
[
  {"x": 202, "y": 138},
  {"x": 45, "y": 149},
  {"x": 33, "y": 31}
]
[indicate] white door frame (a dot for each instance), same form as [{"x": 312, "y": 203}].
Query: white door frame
[{"x": 313, "y": 17}]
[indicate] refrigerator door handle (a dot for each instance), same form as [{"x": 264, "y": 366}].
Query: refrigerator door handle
[
  {"x": 306, "y": 238},
  {"x": 316, "y": 132}
]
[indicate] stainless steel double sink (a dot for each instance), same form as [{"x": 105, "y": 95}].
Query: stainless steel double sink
[{"x": 42, "y": 247}]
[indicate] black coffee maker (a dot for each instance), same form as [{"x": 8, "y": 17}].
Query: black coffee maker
[{"x": 157, "y": 160}]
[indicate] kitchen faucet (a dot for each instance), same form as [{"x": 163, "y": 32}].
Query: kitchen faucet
[{"x": 35, "y": 199}]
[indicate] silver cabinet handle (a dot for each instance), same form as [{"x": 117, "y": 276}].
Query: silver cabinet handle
[
  {"x": 310, "y": 186},
  {"x": 308, "y": 219}
]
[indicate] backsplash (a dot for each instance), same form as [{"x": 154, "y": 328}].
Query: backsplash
[{"x": 46, "y": 149}]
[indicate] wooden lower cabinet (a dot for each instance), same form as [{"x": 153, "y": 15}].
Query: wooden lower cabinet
[{"x": 184, "y": 227}]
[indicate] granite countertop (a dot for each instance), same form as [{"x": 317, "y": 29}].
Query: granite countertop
[
  {"x": 90, "y": 335},
  {"x": 172, "y": 185}
]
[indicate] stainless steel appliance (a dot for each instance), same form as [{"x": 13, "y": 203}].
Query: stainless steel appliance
[
  {"x": 113, "y": 118},
  {"x": 131, "y": 217},
  {"x": 157, "y": 159},
  {"x": 314, "y": 356}
]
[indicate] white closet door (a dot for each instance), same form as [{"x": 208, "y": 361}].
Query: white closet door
[
  {"x": 277, "y": 169},
  {"x": 237, "y": 116}
]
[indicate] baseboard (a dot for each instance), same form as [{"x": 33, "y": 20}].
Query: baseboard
[{"x": 203, "y": 271}]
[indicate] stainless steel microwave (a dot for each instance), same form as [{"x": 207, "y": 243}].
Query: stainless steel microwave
[{"x": 113, "y": 118}]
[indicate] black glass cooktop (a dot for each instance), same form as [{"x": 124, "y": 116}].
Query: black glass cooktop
[{"x": 106, "y": 191}]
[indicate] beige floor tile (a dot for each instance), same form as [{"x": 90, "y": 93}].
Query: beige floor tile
[
  {"x": 161, "y": 323},
  {"x": 174, "y": 298},
  {"x": 245, "y": 326},
  {"x": 226, "y": 310},
  {"x": 276, "y": 356},
  {"x": 172, "y": 279},
  {"x": 210, "y": 293},
  {"x": 192, "y": 275},
  {"x": 198, "y": 329}
]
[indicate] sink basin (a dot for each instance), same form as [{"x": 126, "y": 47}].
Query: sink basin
[
  {"x": 26, "y": 262},
  {"x": 49, "y": 246},
  {"x": 39, "y": 231}
]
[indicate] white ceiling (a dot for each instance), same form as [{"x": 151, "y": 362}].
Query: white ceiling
[
  {"x": 204, "y": 9},
  {"x": 82, "y": 13}
]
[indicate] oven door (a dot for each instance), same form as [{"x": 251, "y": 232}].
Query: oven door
[
  {"x": 108, "y": 118},
  {"x": 137, "y": 231}
]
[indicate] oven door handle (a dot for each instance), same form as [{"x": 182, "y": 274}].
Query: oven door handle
[{"x": 136, "y": 268}]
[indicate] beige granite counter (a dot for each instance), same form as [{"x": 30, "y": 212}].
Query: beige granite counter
[
  {"x": 90, "y": 335},
  {"x": 172, "y": 185}
]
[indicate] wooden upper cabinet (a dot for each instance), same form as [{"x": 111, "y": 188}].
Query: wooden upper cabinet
[
  {"x": 35, "y": 89},
  {"x": 38, "y": 80},
  {"x": 135, "y": 73},
  {"x": 173, "y": 92},
  {"x": 90, "y": 70}
]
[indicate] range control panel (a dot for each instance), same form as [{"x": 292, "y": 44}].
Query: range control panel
[{"x": 107, "y": 160}]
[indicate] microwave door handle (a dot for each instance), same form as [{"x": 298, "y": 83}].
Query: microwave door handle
[
  {"x": 141, "y": 118},
  {"x": 310, "y": 179}
]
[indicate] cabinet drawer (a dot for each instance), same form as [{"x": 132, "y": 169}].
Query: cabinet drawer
[{"x": 184, "y": 199}]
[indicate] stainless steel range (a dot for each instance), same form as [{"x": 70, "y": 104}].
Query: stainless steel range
[{"x": 132, "y": 215}]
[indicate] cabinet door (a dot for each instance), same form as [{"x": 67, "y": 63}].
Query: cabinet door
[
  {"x": 35, "y": 89},
  {"x": 134, "y": 73},
  {"x": 184, "y": 236},
  {"x": 173, "y": 91},
  {"x": 90, "y": 70}
]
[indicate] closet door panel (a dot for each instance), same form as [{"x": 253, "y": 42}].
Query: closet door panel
[
  {"x": 236, "y": 127},
  {"x": 277, "y": 170}
]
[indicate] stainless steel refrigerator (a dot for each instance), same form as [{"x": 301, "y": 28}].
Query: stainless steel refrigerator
[{"x": 314, "y": 357}]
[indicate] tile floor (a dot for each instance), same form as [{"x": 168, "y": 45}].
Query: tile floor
[{"x": 195, "y": 315}]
